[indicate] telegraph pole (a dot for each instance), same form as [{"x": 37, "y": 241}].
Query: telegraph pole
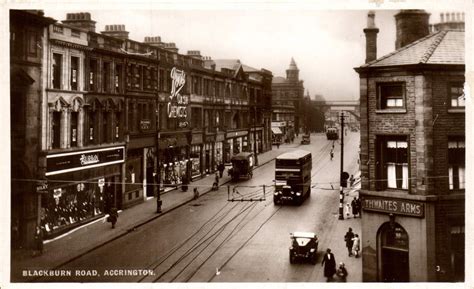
[
  {"x": 341, "y": 179},
  {"x": 157, "y": 148}
]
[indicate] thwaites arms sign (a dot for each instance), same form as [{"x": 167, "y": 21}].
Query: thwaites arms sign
[
  {"x": 75, "y": 161},
  {"x": 394, "y": 206}
]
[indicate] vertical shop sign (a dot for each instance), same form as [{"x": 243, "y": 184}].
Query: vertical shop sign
[{"x": 178, "y": 104}]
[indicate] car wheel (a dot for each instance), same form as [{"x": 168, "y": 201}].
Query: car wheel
[
  {"x": 276, "y": 202},
  {"x": 314, "y": 259},
  {"x": 292, "y": 258}
]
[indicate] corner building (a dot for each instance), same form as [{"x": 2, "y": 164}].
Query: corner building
[{"x": 413, "y": 154}]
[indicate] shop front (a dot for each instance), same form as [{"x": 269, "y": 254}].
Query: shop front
[
  {"x": 397, "y": 239},
  {"x": 80, "y": 187},
  {"x": 235, "y": 143},
  {"x": 174, "y": 160}
]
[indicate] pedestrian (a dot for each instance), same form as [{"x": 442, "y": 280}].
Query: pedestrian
[
  {"x": 196, "y": 193},
  {"x": 349, "y": 242},
  {"x": 113, "y": 216},
  {"x": 38, "y": 249},
  {"x": 331, "y": 154},
  {"x": 329, "y": 263},
  {"x": 278, "y": 145},
  {"x": 221, "y": 168},
  {"x": 342, "y": 272},
  {"x": 348, "y": 210},
  {"x": 359, "y": 207},
  {"x": 351, "y": 180},
  {"x": 356, "y": 245},
  {"x": 354, "y": 207}
]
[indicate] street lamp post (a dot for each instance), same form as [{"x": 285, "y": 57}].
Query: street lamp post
[
  {"x": 157, "y": 148},
  {"x": 341, "y": 179}
]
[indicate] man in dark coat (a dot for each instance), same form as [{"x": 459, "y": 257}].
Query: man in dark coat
[
  {"x": 354, "y": 207},
  {"x": 329, "y": 263},
  {"x": 349, "y": 242}
]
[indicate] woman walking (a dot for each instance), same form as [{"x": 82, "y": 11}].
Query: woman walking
[{"x": 329, "y": 263}]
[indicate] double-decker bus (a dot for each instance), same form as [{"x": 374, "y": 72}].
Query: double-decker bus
[{"x": 292, "y": 177}]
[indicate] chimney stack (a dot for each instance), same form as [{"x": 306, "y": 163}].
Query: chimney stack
[
  {"x": 455, "y": 22},
  {"x": 171, "y": 47},
  {"x": 80, "y": 20},
  {"x": 371, "y": 38},
  {"x": 154, "y": 41},
  {"x": 411, "y": 26},
  {"x": 116, "y": 30},
  {"x": 195, "y": 54}
]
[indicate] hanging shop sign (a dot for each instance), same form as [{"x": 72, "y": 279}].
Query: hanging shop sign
[
  {"x": 75, "y": 161},
  {"x": 394, "y": 206},
  {"x": 178, "y": 104}
]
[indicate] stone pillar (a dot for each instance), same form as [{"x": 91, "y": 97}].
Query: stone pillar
[{"x": 49, "y": 127}]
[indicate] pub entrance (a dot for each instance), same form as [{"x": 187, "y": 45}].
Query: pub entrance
[{"x": 393, "y": 253}]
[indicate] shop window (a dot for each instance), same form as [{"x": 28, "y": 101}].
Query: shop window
[
  {"x": 105, "y": 76},
  {"x": 118, "y": 78},
  {"x": 92, "y": 127},
  {"x": 390, "y": 95},
  {"x": 74, "y": 118},
  {"x": 93, "y": 75},
  {"x": 74, "y": 72},
  {"x": 456, "y": 94},
  {"x": 456, "y": 163},
  {"x": 392, "y": 163},
  {"x": 56, "y": 73},
  {"x": 56, "y": 130}
]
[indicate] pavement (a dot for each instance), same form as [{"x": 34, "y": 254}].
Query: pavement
[{"x": 84, "y": 239}]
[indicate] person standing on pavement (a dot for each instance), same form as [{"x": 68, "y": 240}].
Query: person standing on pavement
[
  {"x": 329, "y": 263},
  {"x": 38, "y": 242},
  {"x": 359, "y": 207},
  {"x": 356, "y": 245},
  {"x": 342, "y": 272},
  {"x": 113, "y": 216},
  {"x": 349, "y": 242},
  {"x": 196, "y": 193},
  {"x": 221, "y": 168},
  {"x": 354, "y": 207}
]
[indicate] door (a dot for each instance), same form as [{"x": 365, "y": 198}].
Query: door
[
  {"x": 394, "y": 265},
  {"x": 150, "y": 182}
]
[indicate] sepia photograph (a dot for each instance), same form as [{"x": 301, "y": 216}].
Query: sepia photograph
[{"x": 272, "y": 143}]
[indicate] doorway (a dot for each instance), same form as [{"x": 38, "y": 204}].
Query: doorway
[{"x": 393, "y": 253}]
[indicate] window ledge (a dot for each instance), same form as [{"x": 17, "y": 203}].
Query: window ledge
[
  {"x": 391, "y": 110},
  {"x": 456, "y": 110}
]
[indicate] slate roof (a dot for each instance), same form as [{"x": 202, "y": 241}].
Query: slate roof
[
  {"x": 442, "y": 47},
  {"x": 232, "y": 64}
]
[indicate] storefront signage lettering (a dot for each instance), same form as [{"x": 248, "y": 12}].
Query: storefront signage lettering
[
  {"x": 75, "y": 161},
  {"x": 183, "y": 124},
  {"x": 395, "y": 206},
  {"x": 178, "y": 104},
  {"x": 42, "y": 187},
  {"x": 89, "y": 159},
  {"x": 145, "y": 124}
]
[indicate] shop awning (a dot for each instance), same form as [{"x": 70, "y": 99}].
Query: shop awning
[{"x": 276, "y": 130}]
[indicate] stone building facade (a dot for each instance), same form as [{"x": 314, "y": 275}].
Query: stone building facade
[{"x": 106, "y": 118}]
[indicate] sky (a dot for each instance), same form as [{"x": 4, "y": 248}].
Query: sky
[{"x": 325, "y": 44}]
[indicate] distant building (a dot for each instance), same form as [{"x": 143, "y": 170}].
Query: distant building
[
  {"x": 413, "y": 143},
  {"x": 287, "y": 100}
]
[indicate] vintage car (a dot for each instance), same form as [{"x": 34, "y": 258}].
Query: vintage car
[
  {"x": 306, "y": 139},
  {"x": 242, "y": 166},
  {"x": 304, "y": 246}
]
